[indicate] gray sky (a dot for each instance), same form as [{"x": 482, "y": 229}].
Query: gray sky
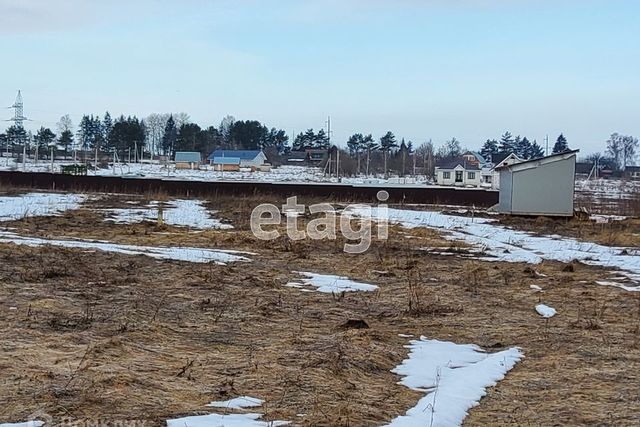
[{"x": 422, "y": 69}]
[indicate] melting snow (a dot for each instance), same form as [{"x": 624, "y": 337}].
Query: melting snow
[
  {"x": 231, "y": 420},
  {"x": 545, "y": 311},
  {"x": 618, "y": 285},
  {"x": 454, "y": 378},
  {"x": 238, "y": 403},
  {"x": 327, "y": 283},
  {"x": 502, "y": 244},
  {"x": 200, "y": 255},
  {"x": 25, "y": 424},
  {"x": 535, "y": 288},
  {"x": 37, "y": 204},
  {"x": 187, "y": 213}
]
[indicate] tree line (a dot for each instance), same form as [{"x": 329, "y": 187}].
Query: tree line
[{"x": 157, "y": 134}]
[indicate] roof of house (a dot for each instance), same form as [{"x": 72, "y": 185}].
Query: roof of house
[
  {"x": 240, "y": 154},
  {"x": 632, "y": 169},
  {"x": 453, "y": 163},
  {"x": 188, "y": 157},
  {"x": 541, "y": 160},
  {"x": 226, "y": 160},
  {"x": 499, "y": 157},
  {"x": 507, "y": 157},
  {"x": 478, "y": 156}
]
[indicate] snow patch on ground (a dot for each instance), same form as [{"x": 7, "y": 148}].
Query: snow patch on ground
[
  {"x": 454, "y": 378},
  {"x": 545, "y": 311},
  {"x": 25, "y": 424},
  {"x": 38, "y": 204},
  {"x": 327, "y": 283},
  {"x": 238, "y": 403},
  {"x": 618, "y": 285},
  {"x": 198, "y": 255},
  {"x": 230, "y": 420},
  {"x": 499, "y": 243},
  {"x": 187, "y": 213}
]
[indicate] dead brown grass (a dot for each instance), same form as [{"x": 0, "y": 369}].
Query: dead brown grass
[{"x": 119, "y": 337}]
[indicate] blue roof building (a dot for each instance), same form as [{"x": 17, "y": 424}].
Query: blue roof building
[
  {"x": 243, "y": 158},
  {"x": 187, "y": 157}
]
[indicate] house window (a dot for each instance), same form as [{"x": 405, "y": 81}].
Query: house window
[
  {"x": 458, "y": 176},
  {"x": 471, "y": 175},
  {"x": 446, "y": 175},
  {"x": 488, "y": 179}
]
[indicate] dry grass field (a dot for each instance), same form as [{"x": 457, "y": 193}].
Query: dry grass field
[{"x": 95, "y": 335}]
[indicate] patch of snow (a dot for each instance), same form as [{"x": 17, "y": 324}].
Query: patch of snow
[
  {"x": 536, "y": 288},
  {"x": 454, "y": 378},
  {"x": 327, "y": 283},
  {"x": 545, "y": 311},
  {"x": 25, "y": 424},
  {"x": 198, "y": 255},
  {"x": 187, "y": 213},
  {"x": 405, "y": 335},
  {"x": 499, "y": 243},
  {"x": 38, "y": 204},
  {"x": 238, "y": 403},
  {"x": 635, "y": 288},
  {"x": 605, "y": 219},
  {"x": 230, "y": 420}
]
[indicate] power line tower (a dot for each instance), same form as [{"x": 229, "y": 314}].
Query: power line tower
[{"x": 18, "y": 117}]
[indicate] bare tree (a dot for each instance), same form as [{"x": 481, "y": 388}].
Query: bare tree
[
  {"x": 450, "y": 149},
  {"x": 427, "y": 153},
  {"x": 615, "y": 148},
  {"x": 181, "y": 119},
  {"x": 155, "y": 124},
  {"x": 225, "y": 129},
  {"x": 629, "y": 146},
  {"x": 64, "y": 124}
]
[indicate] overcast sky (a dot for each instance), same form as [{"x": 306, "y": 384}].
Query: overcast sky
[{"x": 425, "y": 69}]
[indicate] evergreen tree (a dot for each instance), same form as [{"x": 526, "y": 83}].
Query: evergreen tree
[
  {"x": 387, "y": 143},
  {"x": 15, "y": 136},
  {"x": 97, "y": 136},
  {"x": 536, "y": 151},
  {"x": 489, "y": 149},
  {"x": 107, "y": 125},
  {"x": 169, "y": 137},
  {"x": 355, "y": 143},
  {"x": 369, "y": 144},
  {"x": 561, "y": 145},
  {"x": 44, "y": 138},
  {"x": 523, "y": 148},
  {"x": 66, "y": 141},
  {"x": 321, "y": 140},
  {"x": 189, "y": 138},
  {"x": 506, "y": 143},
  {"x": 127, "y": 135}
]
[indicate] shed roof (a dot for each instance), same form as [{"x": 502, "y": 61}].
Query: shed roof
[
  {"x": 188, "y": 157},
  {"x": 458, "y": 161},
  {"x": 526, "y": 164},
  {"x": 226, "y": 160},
  {"x": 240, "y": 154}
]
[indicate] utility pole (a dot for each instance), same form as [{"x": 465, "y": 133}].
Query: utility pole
[{"x": 546, "y": 145}]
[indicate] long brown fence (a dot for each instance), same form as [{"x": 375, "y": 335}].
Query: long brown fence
[{"x": 337, "y": 192}]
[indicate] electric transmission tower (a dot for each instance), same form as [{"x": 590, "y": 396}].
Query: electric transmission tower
[{"x": 18, "y": 117}]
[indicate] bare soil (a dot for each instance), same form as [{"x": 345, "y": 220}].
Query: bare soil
[{"x": 94, "y": 335}]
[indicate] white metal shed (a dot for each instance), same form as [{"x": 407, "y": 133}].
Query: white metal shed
[{"x": 541, "y": 186}]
